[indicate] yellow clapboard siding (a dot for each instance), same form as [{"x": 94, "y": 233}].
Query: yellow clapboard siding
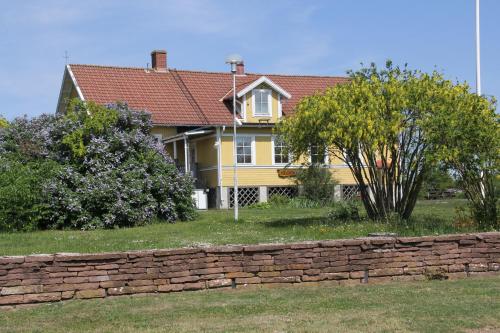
[
  {"x": 269, "y": 177},
  {"x": 164, "y": 131},
  {"x": 180, "y": 152},
  {"x": 263, "y": 150},
  {"x": 169, "y": 147},
  {"x": 206, "y": 152},
  {"x": 208, "y": 177},
  {"x": 249, "y": 107}
]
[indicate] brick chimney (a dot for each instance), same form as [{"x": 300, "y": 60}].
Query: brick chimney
[
  {"x": 159, "y": 60},
  {"x": 240, "y": 69}
]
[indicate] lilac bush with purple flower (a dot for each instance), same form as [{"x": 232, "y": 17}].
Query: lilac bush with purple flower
[{"x": 111, "y": 171}]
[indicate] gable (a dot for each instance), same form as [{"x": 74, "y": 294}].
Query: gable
[{"x": 263, "y": 80}]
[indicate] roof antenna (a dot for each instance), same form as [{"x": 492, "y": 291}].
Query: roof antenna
[
  {"x": 147, "y": 65},
  {"x": 66, "y": 57}
]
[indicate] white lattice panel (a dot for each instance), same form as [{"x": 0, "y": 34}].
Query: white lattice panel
[
  {"x": 350, "y": 192},
  {"x": 287, "y": 191},
  {"x": 246, "y": 196}
]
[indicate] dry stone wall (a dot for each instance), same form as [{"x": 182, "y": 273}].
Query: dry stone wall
[{"x": 50, "y": 278}]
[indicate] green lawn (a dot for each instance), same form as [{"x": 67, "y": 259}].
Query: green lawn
[
  {"x": 471, "y": 305},
  {"x": 217, "y": 227}
]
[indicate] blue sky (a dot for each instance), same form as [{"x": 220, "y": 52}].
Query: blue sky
[{"x": 279, "y": 36}]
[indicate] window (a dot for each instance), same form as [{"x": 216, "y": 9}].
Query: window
[
  {"x": 280, "y": 154},
  {"x": 262, "y": 102},
  {"x": 239, "y": 109},
  {"x": 158, "y": 137},
  {"x": 318, "y": 155},
  {"x": 244, "y": 149}
]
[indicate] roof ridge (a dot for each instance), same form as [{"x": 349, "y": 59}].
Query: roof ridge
[
  {"x": 212, "y": 72},
  {"x": 115, "y": 67},
  {"x": 267, "y": 74}
]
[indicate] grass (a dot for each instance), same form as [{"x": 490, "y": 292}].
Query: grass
[
  {"x": 469, "y": 305},
  {"x": 217, "y": 227}
]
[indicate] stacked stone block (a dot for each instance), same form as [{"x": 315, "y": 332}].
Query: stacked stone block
[{"x": 50, "y": 278}]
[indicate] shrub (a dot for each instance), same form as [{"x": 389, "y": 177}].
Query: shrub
[
  {"x": 112, "y": 172},
  {"x": 22, "y": 206},
  {"x": 303, "y": 202},
  {"x": 344, "y": 211},
  {"x": 279, "y": 200},
  {"x": 317, "y": 183},
  {"x": 260, "y": 205}
]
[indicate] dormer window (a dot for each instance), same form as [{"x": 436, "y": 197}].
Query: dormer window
[{"x": 262, "y": 102}]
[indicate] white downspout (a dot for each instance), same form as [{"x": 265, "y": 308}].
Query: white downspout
[{"x": 186, "y": 157}]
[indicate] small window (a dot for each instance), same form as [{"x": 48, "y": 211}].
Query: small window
[
  {"x": 244, "y": 150},
  {"x": 262, "y": 102},
  {"x": 158, "y": 137},
  {"x": 318, "y": 155},
  {"x": 280, "y": 154}
]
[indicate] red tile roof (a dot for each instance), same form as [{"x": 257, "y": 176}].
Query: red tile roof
[{"x": 181, "y": 97}]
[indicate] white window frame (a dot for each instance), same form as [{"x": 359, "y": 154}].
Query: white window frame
[
  {"x": 280, "y": 107},
  {"x": 252, "y": 149},
  {"x": 244, "y": 108},
  {"x": 158, "y": 137},
  {"x": 269, "y": 104},
  {"x": 273, "y": 138},
  {"x": 325, "y": 162}
]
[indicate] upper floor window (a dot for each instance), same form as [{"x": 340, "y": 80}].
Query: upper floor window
[
  {"x": 244, "y": 149},
  {"x": 262, "y": 102},
  {"x": 318, "y": 155},
  {"x": 279, "y": 149}
]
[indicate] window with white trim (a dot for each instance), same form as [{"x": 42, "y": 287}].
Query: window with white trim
[
  {"x": 244, "y": 150},
  {"x": 262, "y": 102},
  {"x": 279, "y": 151},
  {"x": 318, "y": 154},
  {"x": 158, "y": 137}
]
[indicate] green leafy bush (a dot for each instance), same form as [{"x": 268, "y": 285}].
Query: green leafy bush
[
  {"x": 3, "y": 122},
  {"x": 108, "y": 171},
  {"x": 279, "y": 200},
  {"x": 345, "y": 211},
  {"x": 260, "y": 205},
  {"x": 22, "y": 205},
  {"x": 317, "y": 183}
]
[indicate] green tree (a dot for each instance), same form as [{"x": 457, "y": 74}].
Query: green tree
[
  {"x": 465, "y": 134},
  {"x": 378, "y": 125},
  {"x": 95, "y": 119},
  {"x": 3, "y": 122},
  {"x": 438, "y": 178}
]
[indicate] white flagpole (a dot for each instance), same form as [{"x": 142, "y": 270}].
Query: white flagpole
[
  {"x": 478, "y": 77},
  {"x": 478, "y": 52}
]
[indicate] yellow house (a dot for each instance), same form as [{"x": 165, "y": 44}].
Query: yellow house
[{"x": 192, "y": 115}]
